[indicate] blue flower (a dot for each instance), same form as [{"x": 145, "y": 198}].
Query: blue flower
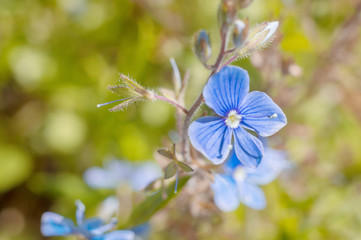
[
  {"x": 116, "y": 172},
  {"x": 53, "y": 224},
  {"x": 239, "y": 184},
  {"x": 142, "y": 231},
  {"x": 110, "y": 207},
  {"x": 227, "y": 93}
]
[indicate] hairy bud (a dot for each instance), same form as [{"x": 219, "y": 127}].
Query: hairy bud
[
  {"x": 227, "y": 13},
  {"x": 239, "y": 33},
  {"x": 202, "y": 46}
]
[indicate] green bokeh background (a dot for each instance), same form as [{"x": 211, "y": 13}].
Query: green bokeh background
[{"x": 58, "y": 56}]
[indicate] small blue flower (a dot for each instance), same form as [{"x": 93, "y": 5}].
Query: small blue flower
[
  {"x": 110, "y": 207},
  {"x": 239, "y": 184},
  {"x": 142, "y": 231},
  {"x": 53, "y": 224},
  {"x": 115, "y": 172},
  {"x": 227, "y": 93}
]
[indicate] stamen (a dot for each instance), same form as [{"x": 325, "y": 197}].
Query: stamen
[
  {"x": 239, "y": 174},
  {"x": 233, "y": 119},
  {"x": 80, "y": 212},
  {"x": 176, "y": 180}
]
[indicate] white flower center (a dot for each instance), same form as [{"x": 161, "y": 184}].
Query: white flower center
[
  {"x": 239, "y": 174},
  {"x": 233, "y": 119}
]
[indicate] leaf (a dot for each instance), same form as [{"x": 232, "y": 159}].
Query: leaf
[
  {"x": 123, "y": 105},
  {"x": 119, "y": 89},
  {"x": 170, "y": 170},
  {"x": 132, "y": 84},
  {"x": 152, "y": 204},
  {"x": 166, "y": 153},
  {"x": 184, "y": 166}
]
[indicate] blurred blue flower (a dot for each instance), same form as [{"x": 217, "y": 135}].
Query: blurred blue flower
[
  {"x": 142, "y": 231},
  {"x": 53, "y": 224},
  {"x": 239, "y": 184},
  {"x": 116, "y": 172},
  {"x": 110, "y": 208},
  {"x": 227, "y": 93}
]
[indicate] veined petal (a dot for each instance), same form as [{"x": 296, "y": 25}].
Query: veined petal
[
  {"x": 118, "y": 235},
  {"x": 225, "y": 191},
  {"x": 273, "y": 162},
  {"x": 226, "y": 90},
  {"x": 249, "y": 149},
  {"x": 53, "y": 224},
  {"x": 251, "y": 195},
  {"x": 211, "y": 137},
  {"x": 261, "y": 114}
]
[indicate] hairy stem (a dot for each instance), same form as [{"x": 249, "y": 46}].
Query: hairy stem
[
  {"x": 174, "y": 103},
  {"x": 199, "y": 99},
  {"x": 234, "y": 57}
]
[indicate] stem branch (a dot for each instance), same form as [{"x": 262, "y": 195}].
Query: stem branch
[
  {"x": 174, "y": 103},
  {"x": 199, "y": 99}
]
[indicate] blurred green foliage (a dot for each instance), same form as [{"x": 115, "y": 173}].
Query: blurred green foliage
[{"x": 58, "y": 56}]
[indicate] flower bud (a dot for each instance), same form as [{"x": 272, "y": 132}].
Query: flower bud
[
  {"x": 227, "y": 12},
  {"x": 239, "y": 32},
  {"x": 258, "y": 38},
  {"x": 202, "y": 46}
]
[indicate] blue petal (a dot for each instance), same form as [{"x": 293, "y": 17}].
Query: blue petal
[
  {"x": 142, "y": 231},
  {"x": 53, "y": 224},
  {"x": 80, "y": 212},
  {"x": 261, "y": 114},
  {"x": 97, "y": 177},
  {"x": 121, "y": 170},
  {"x": 264, "y": 141},
  {"x": 249, "y": 149},
  {"x": 104, "y": 228},
  {"x": 225, "y": 191},
  {"x": 272, "y": 164},
  {"x": 226, "y": 90},
  {"x": 211, "y": 137},
  {"x": 92, "y": 224},
  {"x": 114, "y": 173},
  {"x": 232, "y": 163},
  {"x": 251, "y": 195},
  {"x": 144, "y": 174},
  {"x": 118, "y": 235}
]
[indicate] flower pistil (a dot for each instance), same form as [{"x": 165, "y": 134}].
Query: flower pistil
[{"x": 233, "y": 119}]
